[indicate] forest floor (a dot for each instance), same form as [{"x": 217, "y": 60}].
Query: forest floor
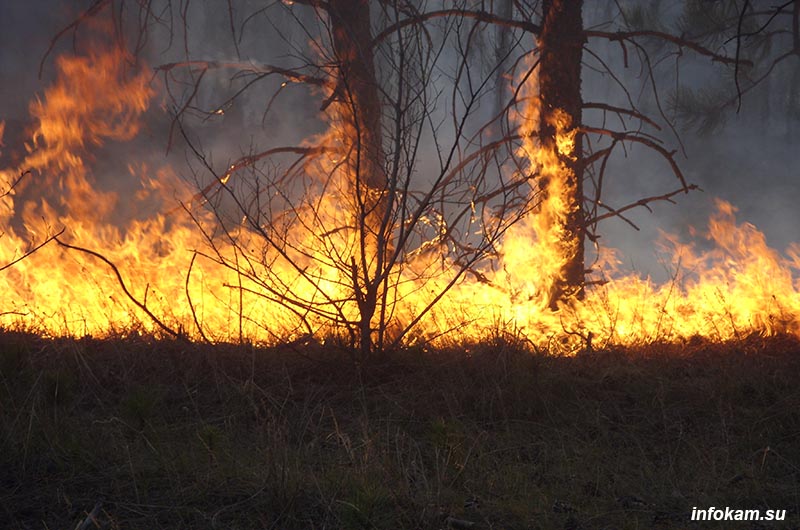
[{"x": 158, "y": 434}]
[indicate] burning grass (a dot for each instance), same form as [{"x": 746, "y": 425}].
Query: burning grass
[
  {"x": 174, "y": 435},
  {"x": 280, "y": 258}
]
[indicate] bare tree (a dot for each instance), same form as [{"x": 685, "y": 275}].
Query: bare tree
[
  {"x": 403, "y": 194},
  {"x": 353, "y": 227},
  {"x": 764, "y": 36}
]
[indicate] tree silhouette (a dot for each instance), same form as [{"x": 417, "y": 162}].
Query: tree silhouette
[{"x": 420, "y": 172}]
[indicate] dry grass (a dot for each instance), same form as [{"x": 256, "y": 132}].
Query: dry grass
[{"x": 171, "y": 435}]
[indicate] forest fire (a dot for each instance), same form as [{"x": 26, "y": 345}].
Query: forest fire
[
  {"x": 399, "y": 264},
  {"x": 171, "y": 272}
]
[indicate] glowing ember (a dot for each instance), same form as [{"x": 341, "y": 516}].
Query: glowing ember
[{"x": 166, "y": 262}]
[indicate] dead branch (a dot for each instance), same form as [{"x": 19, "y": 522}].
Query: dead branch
[
  {"x": 16, "y": 180},
  {"x": 669, "y": 156},
  {"x": 247, "y": 161},
  {"x": 460, "y": 524},
  {"x": 738, "y": 52},
  {"x": 288, "y": 73},
  {"x": 94, "y": 9},
  {"x": 761, "y": 78},
  {"x": 641, "y": 202},
  {"x": 189, "y": 300},
  {"x": 124, "y": 287},
  {"x": 621, "y": 110},
  {"x": 90, "y": 521},
  {"x": 778, "y": 10},
  {"x": 620, "y": 36},
  {"x": 31, "y": 251},
  {"x": 480, "y": 16}
]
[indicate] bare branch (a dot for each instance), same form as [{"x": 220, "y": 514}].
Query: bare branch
[
  {"x": 16, "y": 181},
  {"x": 641, "y": 202},
  {"x": 638, "y": 138},
  {"x": 620, "y": 36},
  {"x": 124, "y": 287},
  {"x": 31, "y": 251},
  {"x": 481, "y": 16},
  {"x": 247, "y": 161},
  {"x": 621, "y": 110},
  {"x": 94, "y": 9},
  {"x": 267, "y": 69},
  {"x": 189, "y": 300}
]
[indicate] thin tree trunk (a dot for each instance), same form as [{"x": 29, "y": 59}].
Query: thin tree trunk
[
  {"x": 560, "y": 47},
  {"x": 503, "y": 35},
  {"x": 358, "y": 91}
]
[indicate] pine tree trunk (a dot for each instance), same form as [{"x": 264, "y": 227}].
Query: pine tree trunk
[
  {"x": 560, "y": 48},
  {"x": 352, "y": 40}
]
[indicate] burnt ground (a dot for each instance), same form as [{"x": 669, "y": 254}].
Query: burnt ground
[{"x": 164, "y": 434}]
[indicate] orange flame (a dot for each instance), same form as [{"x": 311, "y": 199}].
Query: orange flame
[{"x": 738, "y": 287}]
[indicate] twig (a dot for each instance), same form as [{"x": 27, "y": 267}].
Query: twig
[
  {"x": 191, "y": 305},
  {"x": 203, "y": 195},
  {"x": 480, "y": 16},
  {"x": 620, "y": 36},
  {"x": 91, "y": 518},
  {"x": 452, "y": 522},
  {"x": 16, "y": 181},
  {"x": 267, "y": 69},
  {"x": 642, "y": 202},
  {"x": 738, "y": 52},
  {"x": 31, "y": 251},
  {"x": 669, "y": 156},
  {"x": 92, "y": 11},
  {"x": 621, "y": 110},
  {"x": 114, "y": 268}
]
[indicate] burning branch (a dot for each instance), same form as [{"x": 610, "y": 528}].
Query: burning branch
[
  {"x": 206, "y": 194},
  {"x": 124, "y": 287},
  {"x": 31, "y": 250}
]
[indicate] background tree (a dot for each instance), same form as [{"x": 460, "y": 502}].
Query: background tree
[{"x": 764, "y": 35}]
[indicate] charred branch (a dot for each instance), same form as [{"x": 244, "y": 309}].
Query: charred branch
[
  {"x": 622, "y": 111},
  {"x": 140, "y": 304},
  {"x": 626, "y": 136},
  {"x": 264, "y": 69},
  {"x": 480, "y": 16},
  {"x": 31, "y": 250},
  {"x": 630, "y": 36},
  {"x": 616, "y": 212}
]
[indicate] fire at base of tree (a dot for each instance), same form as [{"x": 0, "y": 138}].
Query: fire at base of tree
[{"x": 449, "y": 183}]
